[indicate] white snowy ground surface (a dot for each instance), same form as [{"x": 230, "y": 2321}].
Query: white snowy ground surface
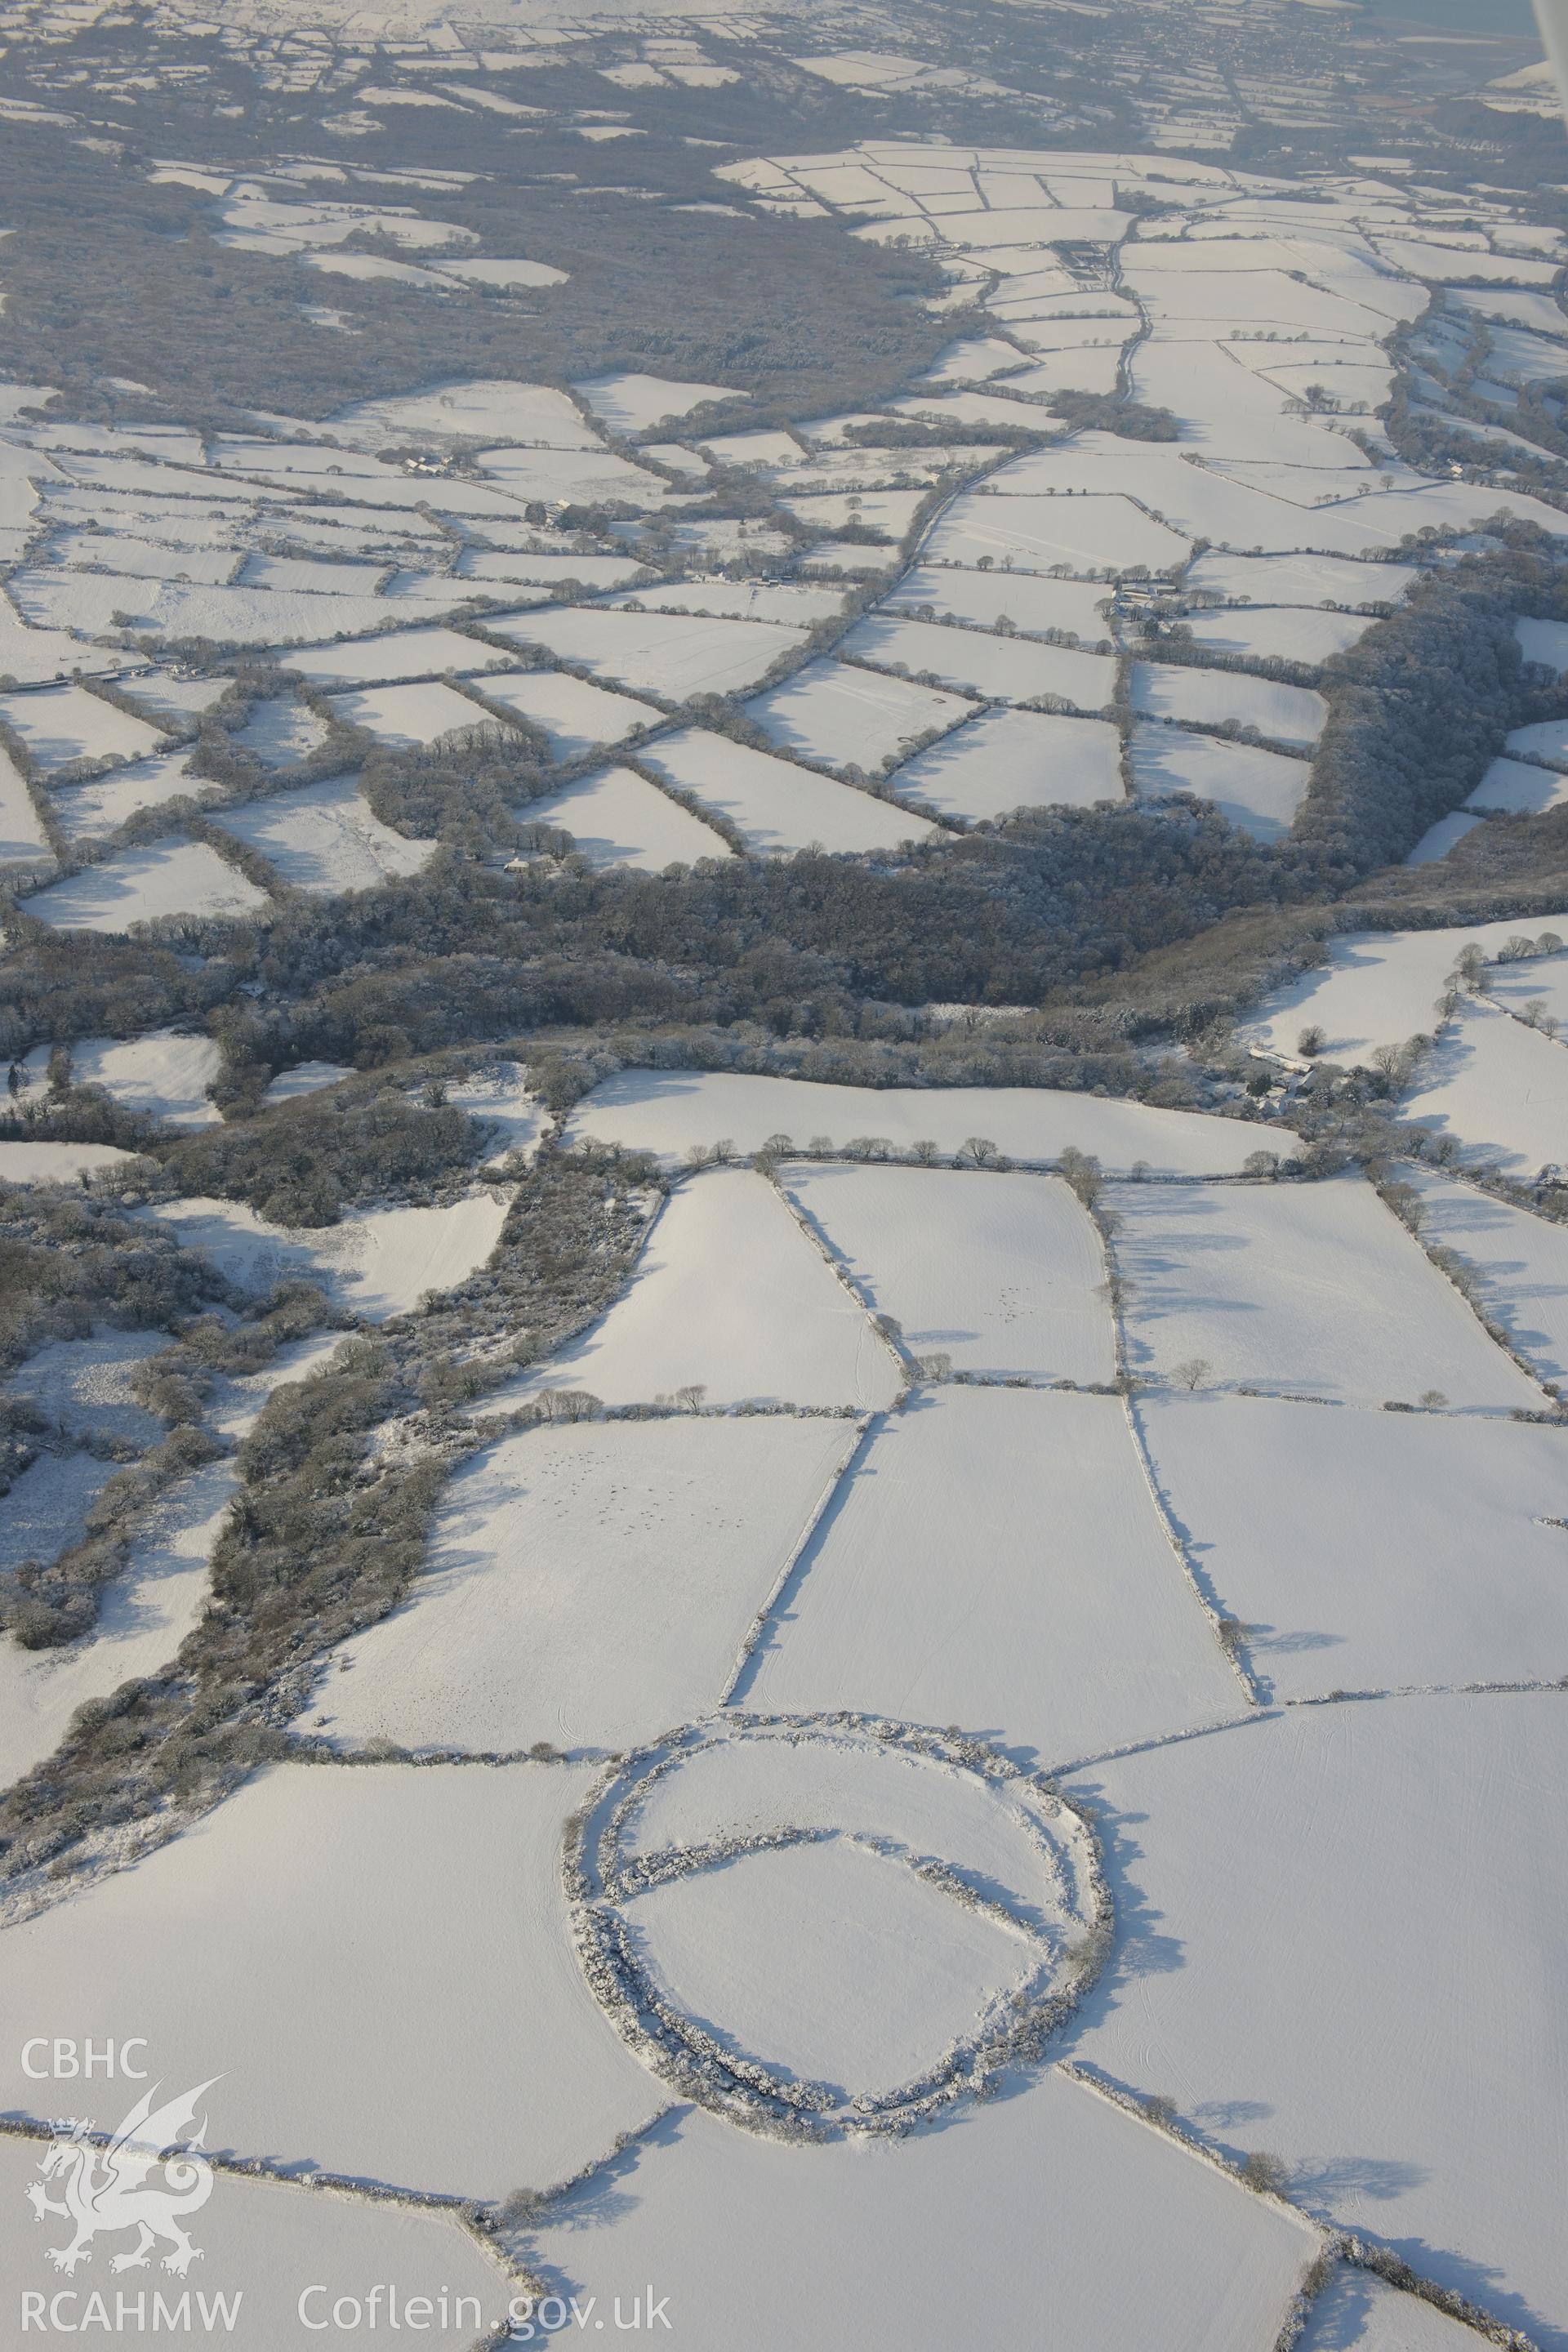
[
  {"x": 861, "y": 1535},
  {"x": 670, "y": 1112}
]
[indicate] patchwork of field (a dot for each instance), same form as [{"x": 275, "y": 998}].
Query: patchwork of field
[
  {"x": 936, "y": 1724},
  {"x": 389, "y": 580}
]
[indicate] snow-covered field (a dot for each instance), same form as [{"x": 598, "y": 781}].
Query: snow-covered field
[
  {"x": 626, "y": 1561},
  {"x": 1002, "y": 1274},
  {"x": 56, "y": 1163},
  {"x": 844, "y": 716},
  {"x": 1258, "y": 791},
  {"x": 1035, "y": 2196},
  {"x": 670, "y": 1111},
  {"x": 573, "y": 715},
  {"x": 23, "y": 841},
  {"x": 171, "y": 877},
  {"x": 287, "y": 2243},
  {"x": 729, "y": 1296},
  {"x": 616, "y": 817},
  {"x": 1497, "y": 1088},
  {"x": 665, "y": 654},
  {"x": 402, "y": 716},
  {"x": 380, "y": 1262},
  {"x": 162, "y": 1073},
  {"x": 1004, "y": 668},
  {"x": 326, "y": 837},
  {"x": 316, "y": 1878},
  {"x": 63, "y": 725},
  {"x": 1208, "y": 698},
  {"x": 1377, "y": 988},
  {"x": 1403, "y": 1550},
  {"x": 144, "y": 1616},
  {"x": 1303, "y": 1289},
  {"x": 1004, "y": 759},
  {"x": 778, "y": 805},
  {"x": 1350, "y": 1918},
  {"x": 997, "y": 1558},
  {"x": 1522, "y": 1259}
]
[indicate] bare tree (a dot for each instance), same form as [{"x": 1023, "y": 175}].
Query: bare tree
[
  {"x": 1270, "y": 2173},
  {"x": 1193, "y": 1373},
  {"x": 1081, "y": 1171}
]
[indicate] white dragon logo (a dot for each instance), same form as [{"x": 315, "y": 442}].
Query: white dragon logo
[{"x": 107, "y": 2190}]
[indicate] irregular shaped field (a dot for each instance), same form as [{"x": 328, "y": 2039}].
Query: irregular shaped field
[
  {"x": 1351, "y": 1917},
  {"x": 1376, "y": 988},
  {"x": 143, "y": 1617},
  {"x": 670, "y": 1112},
  {"x": 588, "y": 1585},
  {"x": 982, "y": 598},
  {"x": 1519, "y": 786},
  {"x": 23, "y": 841},
  {"x": 104, "y": 803},
  {"x": 326, "y": 837},
  {"x": 997, "y": 1559},
  {"x": 406, "y": 653},
  {"x": 1098, "y": 537},
  {"x": 162, "y": 1073},
  {"x": 407, "y": 716},
  {"x": 657, "y": 653},
  {"x": 380, "y": 1262},
  {"x": 57, "y": 1163},
  {"x": 728, "y": 1294},
  {"x": 266, "y": 2245},
  {"x": 1522, "y": 1259},
  {"x": 574, "y": 717},
  {"x": 1002, "y": 1274},
  {"x": 1497, "y": 1088},
  {"x": 61, "y": 725},
  {"x": 1357, "y": 2312},
  {"x": 1208, "y": 698},
  {"x": 1004, "y": 668}
]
